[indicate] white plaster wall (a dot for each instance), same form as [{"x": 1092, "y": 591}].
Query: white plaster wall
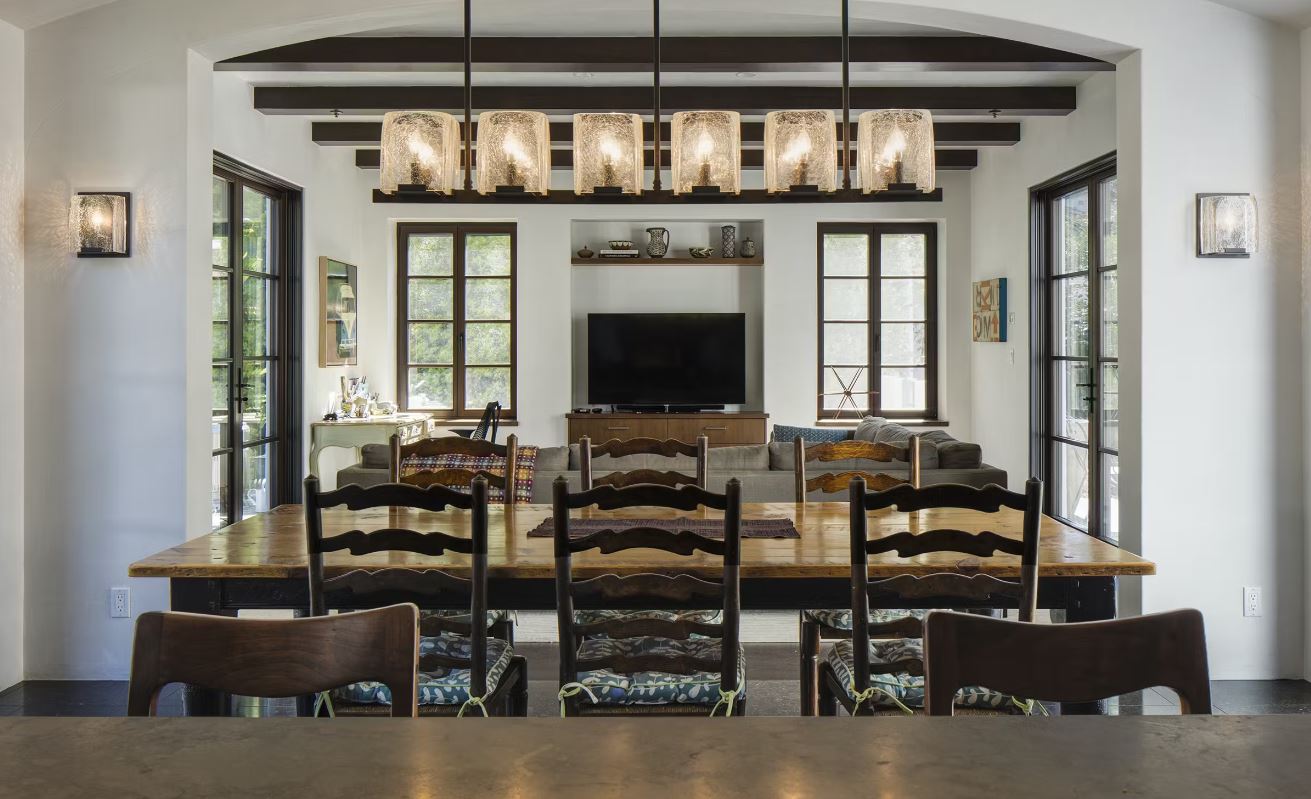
[
  {"x": 11, "y": 356},
  {"x": 114, "y": 339}
]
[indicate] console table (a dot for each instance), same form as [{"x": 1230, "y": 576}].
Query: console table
[
  {"x": 723, "y": 429},
  {"x": 355, "y": 433}
]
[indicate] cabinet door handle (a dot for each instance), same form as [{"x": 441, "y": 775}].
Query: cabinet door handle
[
  {"x": 719, "y": 429},
  {"x": 608, "y": 429}
]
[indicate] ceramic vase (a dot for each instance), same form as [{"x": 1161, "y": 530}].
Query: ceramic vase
[
  {"x": 657, "y": 244},
  {"x": 728, "y": 242}
]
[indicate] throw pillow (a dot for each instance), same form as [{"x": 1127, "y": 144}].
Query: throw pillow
[
  {"x": 815, "y": 435},
  {"x": 869, "y": 428}
]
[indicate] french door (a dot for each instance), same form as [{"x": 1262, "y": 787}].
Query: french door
[
  {"x": 1076, "y": 371},
  {"x": 253, "y": 266}
]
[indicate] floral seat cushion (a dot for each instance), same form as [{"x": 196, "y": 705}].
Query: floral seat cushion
[
  {"x": 459, "y": 616},
  {"x": 655, "y": 687},
  {"x": 697, "y": 616},
  {"x": 442, "y": 685},
  {"x": 840, "y": 618},
  {"x": 908, "y": 689}
]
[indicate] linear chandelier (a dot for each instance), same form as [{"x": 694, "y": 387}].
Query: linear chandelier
[{"x": 421, "y": 150}]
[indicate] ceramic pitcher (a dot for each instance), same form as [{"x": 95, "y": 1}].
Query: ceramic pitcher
[{"x": 658, "y": 243}]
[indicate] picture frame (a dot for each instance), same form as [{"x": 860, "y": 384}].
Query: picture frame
[
  {"x": 339, "y": 339},
  {"x": 990, "y": 310}
]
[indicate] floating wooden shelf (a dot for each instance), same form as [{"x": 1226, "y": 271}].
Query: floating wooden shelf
[{"x": 670, "y": 261}]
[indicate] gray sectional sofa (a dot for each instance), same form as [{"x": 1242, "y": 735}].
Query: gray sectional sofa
[{"x": 766, "y": 470}]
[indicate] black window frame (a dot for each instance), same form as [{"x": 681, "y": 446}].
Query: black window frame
[
  {"x": 458, "y": 231},
  {"x": 875, "y": 230}
]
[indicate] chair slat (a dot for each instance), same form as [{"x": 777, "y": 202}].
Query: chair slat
[
  {"x": 456, "y": 478},
  {"x": 659, "y": 628},
  {"x": 688, "y": 497},
  {"x": 426, "y": 583},
  {"x": 450, "y": 477},
  {"x": 908, "y": 545},
  {"x": 833, "y": 482},
  {"x": 980, "y": 587},
  {"x": 666, "y": 448},
  {"x": 356, "y": 497},
  {"x": 669, "y": 447},
  {"x": 644, "y": 476},
  {"x": 669, "y": 664},
  {"x": 856, "y": 449},
  {"x": 656, "y": 587},
  {"x": 989, "y": 499},
  {"x": 683, "y": 542},
  {"x": 393, "y": 539}
]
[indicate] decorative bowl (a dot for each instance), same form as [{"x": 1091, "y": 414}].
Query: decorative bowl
[
  {"x": 700, "y": 252},
  {"x": 619, "y": 244}
]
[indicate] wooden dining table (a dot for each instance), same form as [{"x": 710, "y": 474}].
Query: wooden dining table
[
  {"x": 1157, "y": 757},
  {"x": 260, "y": 562}
]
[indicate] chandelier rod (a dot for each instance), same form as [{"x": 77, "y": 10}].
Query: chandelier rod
[
  {"x": 468, "y": 95},
  {"x": 655, "y": 45},
  {"x": 846, "y": 97}
]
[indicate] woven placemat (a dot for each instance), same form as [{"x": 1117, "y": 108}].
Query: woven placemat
[{"x": 710, "y": 528}]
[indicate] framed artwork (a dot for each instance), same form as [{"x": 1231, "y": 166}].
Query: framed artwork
[
  {"x": 990, "y": 310},
  {"x": 339, "y": 339}
]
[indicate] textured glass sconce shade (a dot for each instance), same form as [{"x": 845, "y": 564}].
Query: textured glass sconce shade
[
  {"x": 608, "y": 155},
  {"x": 99, "y": 222},
  {"x": 896, "y": 151},
  {"x": 1226, "y": 225},
  {"x": 420, "y": 152},
  {"x": 514, "y": 152},
  {"x": 706, "y": 152},
  {"x": 800, "y": 151}
]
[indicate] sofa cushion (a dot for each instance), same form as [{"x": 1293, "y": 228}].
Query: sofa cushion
[
  {"x": 754, "y": 457},
  {"x": 627, "y": 463},
  {"x": 953, "y": 454},
  {"x": 897, "y": 435},
  {"x": 553, "y": 459},
  {"x": 375, "y": 456},
  {"x": 819, "y": 435},
  {"x": 868, "y": 428}
]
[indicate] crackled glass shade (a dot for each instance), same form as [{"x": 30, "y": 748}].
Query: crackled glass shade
[
  {"x": 99, "y": 223},
  {"x": 420, "y": 151},
  {"x": 895, "y": 151},
  {"x": 608, "y": 153},
  {"x": 706, "y": 151},
  {"x": 514, "y": 149},
  {"x": 1226, "y": 225},
  {"x": 801, "y": 149}
]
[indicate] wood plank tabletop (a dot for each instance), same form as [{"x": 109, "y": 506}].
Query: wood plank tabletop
[
  {"x": 273, "y": 545},
  {"x": 1192, "y": 756}
]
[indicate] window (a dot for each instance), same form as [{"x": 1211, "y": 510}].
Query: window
[
  {"x": 456, "y": 337},
  {"x": 878, "y": 321}
]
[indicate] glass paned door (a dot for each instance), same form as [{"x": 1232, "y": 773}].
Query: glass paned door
[
  {"x": 250, "y": 421},
  {"x": 1078, "y": 427}
]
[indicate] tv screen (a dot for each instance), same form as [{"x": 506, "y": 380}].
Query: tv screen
[{"x": 666, "y": 358}]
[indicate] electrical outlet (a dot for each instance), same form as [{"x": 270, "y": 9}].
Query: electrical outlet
[
  {"x": 120, "y": 603},
  {"x": 1012, "y": 354},
  {"x": 1252, "y": 601}
]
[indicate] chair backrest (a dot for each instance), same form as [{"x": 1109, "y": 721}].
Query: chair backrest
[
  {"x": 362, "y": 588},
  {"x": 648, "y": 590},
  {"x": 1081, "y": 662},
  {"x": 489, "y": 424},
  {"x": 275, "y": 657},
  {"x": 458, "y": 477},
  {"x": 668, "y": 448},
  {"x": 853, "y": 449},
  {"x": 948, "y": 586}
]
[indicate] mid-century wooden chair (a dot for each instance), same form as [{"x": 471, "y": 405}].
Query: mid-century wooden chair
[
  {"x": 899, "y": 662},
  {"x": 651, "y": 665},
  {"x": 1081, "y": 662},
  {"x": 275, "y": 657},
  {"x": 460, "y": 666},
  {"x": 668, "y": 448},
  {"x": 457, "y": 477},
  {"x": 834, "y": 624}
]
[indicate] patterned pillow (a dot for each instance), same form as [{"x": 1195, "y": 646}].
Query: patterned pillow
[{"x": 814, "y": 435}]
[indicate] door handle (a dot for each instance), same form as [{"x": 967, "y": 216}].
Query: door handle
[
  {"x": 615, "y": 429},
  {"x": 719, "y": 429}
]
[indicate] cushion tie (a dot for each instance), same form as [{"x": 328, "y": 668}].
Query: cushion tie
[
  {"x": 473, "y": 701},
  {"x": 726, "y": 701},
  {"x": 1028, "y": 706},
  {"x": 323, "y": 699},
  {"x": 869, "y": 693},
  {"x": 573, "y": 689}
]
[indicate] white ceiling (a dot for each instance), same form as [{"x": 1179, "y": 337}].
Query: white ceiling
[
  {"x": 31, "y": 13},
  {"x": 1296, "y": 13}
]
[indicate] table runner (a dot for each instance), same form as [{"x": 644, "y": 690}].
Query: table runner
[{"x": 710, "y": 528}]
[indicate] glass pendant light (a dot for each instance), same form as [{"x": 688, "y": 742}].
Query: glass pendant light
[
  {"x": 514, "y": 152},
  {"x": 896, "y": 151},
  {"x": 706, "y": 152},
  {"x": 608, "y": 157},
  {"x": 420, "y": 152},
  {"x": 800, "y": 151}
]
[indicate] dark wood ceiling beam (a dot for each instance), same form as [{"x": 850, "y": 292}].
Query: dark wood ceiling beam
[
  {"x": 678, "y": 54},
  {"x": 953, "y": 100},
  {"x": 751, "y": 159},
  {"x": 956, "y": 134}
]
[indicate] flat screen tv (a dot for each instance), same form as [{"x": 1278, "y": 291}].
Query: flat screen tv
[{"x": 666, "y": 359}]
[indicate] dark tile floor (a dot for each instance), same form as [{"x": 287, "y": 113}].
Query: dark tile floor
[{"x": 772, "y": 689}]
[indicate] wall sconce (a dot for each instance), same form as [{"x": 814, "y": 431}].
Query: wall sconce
[
  {"x": 800, "y": 152},
  {"x": 896, "y": 151},
  {"x": 420, "y": 152},
  {"x": 706, "y": 156},
  {"x": 608, "y": 156},
  {"x": 1226, "y": 225},
  {"x": 514, "y": 153},
  {"x": 102, "y": 223}
]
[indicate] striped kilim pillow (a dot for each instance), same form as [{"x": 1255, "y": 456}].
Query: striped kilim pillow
[{"x": 493, "y": 464}]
